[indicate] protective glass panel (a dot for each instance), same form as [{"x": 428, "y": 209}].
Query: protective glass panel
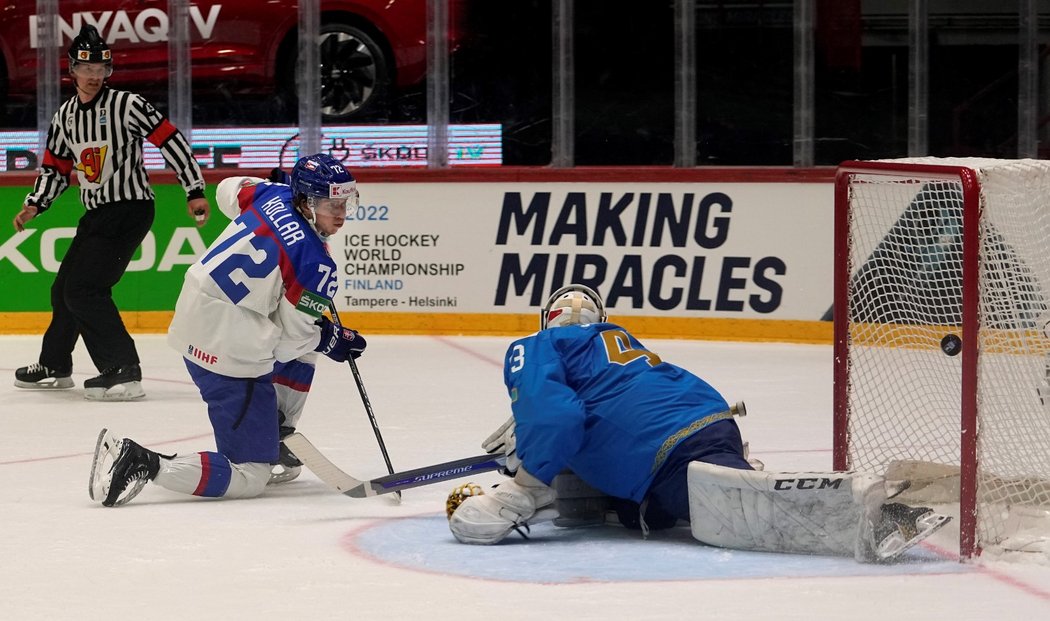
[
  {"x": 501, "y": 80},
  {"x": 135, "y": 30},
  {"x": 744, "y": 82},
  {"x": 973, "y": 81},
  {"x": 372, "y": 76},
  {"x": 624, "y": 83},
  {"x": 861, "y": 73},
  {"x": 863, "y": 90}
]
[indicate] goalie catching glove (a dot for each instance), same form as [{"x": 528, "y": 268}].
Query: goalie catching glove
[
  {"x": 339, "y": 343},
  {"x": 503, "y": 441},
  {"x": 480, "y": 518}
]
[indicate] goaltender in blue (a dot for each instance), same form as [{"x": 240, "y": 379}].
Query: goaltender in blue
[{"x": 659, "y": 445}]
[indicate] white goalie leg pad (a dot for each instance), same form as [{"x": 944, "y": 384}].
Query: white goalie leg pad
[
  {"x": 488, "y": 518},
  {"x": 798, "y": 512}
]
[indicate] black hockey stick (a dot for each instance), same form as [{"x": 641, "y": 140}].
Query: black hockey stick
[
  {"x": 368, "y": 404},
  {"x": 392, "y": 483}
]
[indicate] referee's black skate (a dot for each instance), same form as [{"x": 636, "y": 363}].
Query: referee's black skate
[
  {"x": 122, "y": 383},
  {"x": 37, "y": 376}
]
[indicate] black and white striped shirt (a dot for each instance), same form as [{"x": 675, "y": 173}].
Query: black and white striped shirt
[{"x": 102, "y": 141}]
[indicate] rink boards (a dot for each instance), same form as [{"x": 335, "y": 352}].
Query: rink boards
[{"x": 735, "y": 254}]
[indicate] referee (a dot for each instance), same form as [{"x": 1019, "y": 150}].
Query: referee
[{"x": 98, "y": 133}]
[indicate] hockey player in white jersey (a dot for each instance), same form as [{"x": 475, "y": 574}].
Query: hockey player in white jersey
[
  {"x": 248, "y": 322},
  {"x": 661, "y": 445}
]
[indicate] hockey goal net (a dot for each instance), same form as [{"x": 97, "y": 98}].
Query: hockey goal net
[{"x": 927, "y": 250}]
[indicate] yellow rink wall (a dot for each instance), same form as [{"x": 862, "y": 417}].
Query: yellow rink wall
[{"x": 492, "y": 324}]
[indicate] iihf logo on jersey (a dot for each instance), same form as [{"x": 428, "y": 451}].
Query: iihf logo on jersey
[
  {"x": 102, "y": 118},
  {"x": 202, "y": 356}
]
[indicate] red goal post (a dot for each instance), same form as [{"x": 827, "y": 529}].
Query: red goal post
[{"x": 926, "y": 248}]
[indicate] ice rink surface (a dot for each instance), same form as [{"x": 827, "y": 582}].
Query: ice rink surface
[{"x": 302, "y": 551}]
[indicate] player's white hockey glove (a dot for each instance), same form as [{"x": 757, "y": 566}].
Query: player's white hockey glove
[
  {"x": 479, "y": 518},
  {"x": 504, "y": 442},
  {"x": 339, "y": 343}
]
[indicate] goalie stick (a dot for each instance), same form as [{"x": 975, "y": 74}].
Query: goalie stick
[{"x": 355, "y": 488}]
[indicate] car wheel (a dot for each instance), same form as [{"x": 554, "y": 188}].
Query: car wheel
[{"x": 355, "y": 75}]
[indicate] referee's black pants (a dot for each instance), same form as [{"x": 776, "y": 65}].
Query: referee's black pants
[{"x": 82, "y": 294}]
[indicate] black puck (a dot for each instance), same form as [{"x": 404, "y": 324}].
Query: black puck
[{"x": 951, "y": 344}]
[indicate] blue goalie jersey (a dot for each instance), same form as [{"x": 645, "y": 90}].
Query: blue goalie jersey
[{"x": 634, "y": 407}]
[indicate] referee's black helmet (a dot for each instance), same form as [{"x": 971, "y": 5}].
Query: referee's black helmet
[{"x": 89, "y": 47}]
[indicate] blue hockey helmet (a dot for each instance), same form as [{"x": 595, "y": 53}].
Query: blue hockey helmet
[
  {"x": 326, "y": 187},
  {"x": 572, "y": 305},
  {"x": 323, "y": 176}
]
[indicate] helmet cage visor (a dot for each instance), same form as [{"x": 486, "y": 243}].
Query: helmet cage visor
[
  {"x": 342, "y": 198},
  {"x": 545, "y": 312}
]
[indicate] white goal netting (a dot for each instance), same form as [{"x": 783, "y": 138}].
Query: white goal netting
[{"x": 904, "y": 400}]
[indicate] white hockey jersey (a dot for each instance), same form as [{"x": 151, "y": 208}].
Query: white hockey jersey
[{"x": 254, "y": 296}]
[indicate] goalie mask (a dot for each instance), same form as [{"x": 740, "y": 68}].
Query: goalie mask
[
  {"x": 572, "y": 305},
  {"x": 326, "y": 186}
]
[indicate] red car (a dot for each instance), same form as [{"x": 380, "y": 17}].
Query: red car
[{"x": 244, "y": 47}]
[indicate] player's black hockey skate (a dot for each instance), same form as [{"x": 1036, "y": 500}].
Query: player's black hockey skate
[
  {"x": 902, "y": 527},
  {"x": 122, "y": 383},
  {"x": 120, "y": 470},
  {"x": 37, "y": 376},
  {"x": 288, "y": 465}
]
